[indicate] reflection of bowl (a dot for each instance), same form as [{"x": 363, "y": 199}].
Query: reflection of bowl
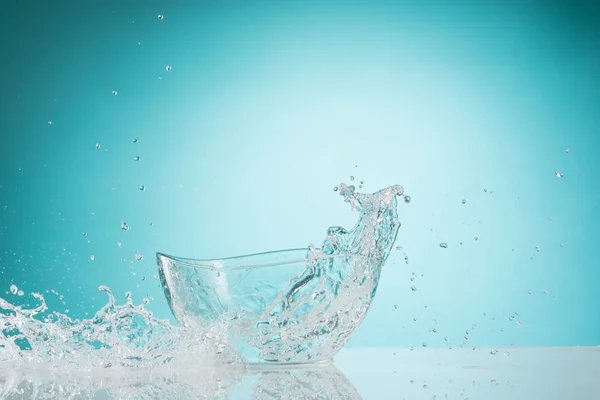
[{"x": 288, "y": 306}]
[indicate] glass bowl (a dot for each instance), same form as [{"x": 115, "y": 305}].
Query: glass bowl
[{"x": 282, "y": 307}]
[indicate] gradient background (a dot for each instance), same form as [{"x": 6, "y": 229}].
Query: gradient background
[{"x": 268, "y": 106}]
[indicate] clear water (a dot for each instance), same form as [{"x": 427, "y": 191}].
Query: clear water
[
  {"x": 299, "y": 305},
  {"x": 120, "y": 341}
]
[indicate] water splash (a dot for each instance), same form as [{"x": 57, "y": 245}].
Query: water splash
[
  {"x": 314, "y": 316},
  {"x": 41, "y": 345},
  {"x": 118, "y": 336}
]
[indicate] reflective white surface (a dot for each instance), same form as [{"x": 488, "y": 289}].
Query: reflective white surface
[{"x": 377, "y": 374}]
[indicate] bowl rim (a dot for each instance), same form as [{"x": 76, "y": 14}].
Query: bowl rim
[{"x": 198, "y": 262}]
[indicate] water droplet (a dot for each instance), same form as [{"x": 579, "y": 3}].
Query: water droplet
[
  {"x": 545, "y": 291},
  {"x": 424, "y": 386},
  {"x": 407, "y": 199},
  {"x": 537, "y": 248},
  {"x": 160, "y": 78},
  {"x": 49, "y": 122},
  {"x": 14, "y": 289},
  {"x": 160, "y": 16},
  {"x": 142, "y": 188},
  {"x": 567, "y": 150},
  {"x": 559, "y": 174},
  {"x": 139, "y": 256},
  {"x": 20, "y": 293},
  {"x": 529, "y": 292},
  {"x": 485, "y": 190},
  {"x": 151, "y": 223},
  {"x": 97, "y": 145},
  {"x": 411, "y": 349},
  {"x": 362, "y": 182},
  {"x": 155, "y": 277},
  {"x": 92, "y": 257},
  {"x": 135, "y": 140},
  {"x": 84, "y": 233},
  {"x": 119, "y": 244},
  {"x": 114, "y": 92},
  {"x": 136, "y": 158},
  {"x": 464, "y": 201},
  {"x": 476, "y": 238},
  {"x": 352, "y": 178},
  {"x": 395, "y": 306},
  {"x": 335, "y": 189},
  {"x": 146, "y": 300},
  {"x": 413, "y": 288},
  {"x": 444, "y": 245},
  {"x": 561, "y": 245},
  {"x": 446, "y": 338},
  {"x": 493, "y": 352},
  {"x": 124, "y": 226},
  {"x": 424, "y": 344},
  {"x": 168, "y": 68}
]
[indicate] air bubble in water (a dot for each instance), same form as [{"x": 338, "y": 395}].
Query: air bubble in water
[
  {"x": 567, "y": 150},
  {"x": 168, "y": 68},
  {"x": 139, "y": 256},
  {"x": 476, "y": 238},
  {"x": 413, "y": 288},
  {"x": 444, "y": 245},
  {"x": 424, "y": 344},
  {"x": 135, "y": 140},
  {"x": 493, "y": 352},
  {"x": 136, "y": 158},
  {"x": 559, "y": 174},
  {"x": 124, "y": 226},
  {"x": 20, "y": 293},
  {"x": 114, "y": 92},
  {"x": 97, "y": 145},
  {"x": 14, "y": 289},
  {"x": 464, "y": 201},
  {"x": 92, "y": 257},
  {"x": 160, "y": 16},
  {"x": 335, "y": 189},
  {"x": 49, "y": 122},
  {"x": 142, "y": 188},
  {"x": 537, "y": 248},
  {"x": 84, "y": 233},
  {"x": 352, "y": 178},
  {"x": 407, "y": 199}
]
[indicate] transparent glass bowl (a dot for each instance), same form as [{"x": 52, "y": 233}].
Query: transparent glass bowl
[{"x": 281, "y": 307}]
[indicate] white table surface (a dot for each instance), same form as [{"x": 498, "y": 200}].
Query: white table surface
[{"x": 357, "y": 374}]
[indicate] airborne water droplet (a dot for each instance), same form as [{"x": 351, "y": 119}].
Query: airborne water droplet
[
  {"x": 464, "y": 201},
  {"x": 84, "y": 233},
  {"x": 559, "y": 174},
  {"x": 537, "y": 248},
  {"x": 168, "y": 68},
  {"x": 407, "y": 199},
  {"x": 135, "y": 140},
  {"x": 136, "y": 158},
  {"x": 14, "y": 289},
  {"x": 160, "y": 16},
  {"x": 139, "y": 256},
  {"x": 92, "y": 257},
  {"x": 444, "y": 245},
  {"x": 335, "y": 189},
  {"x": 142, "y": 188},
  {"x": 97, "y": 145},
  {"x": 124, "y": 226},
  {"x": 413, "y": 288},
  {"x": 20, "y": 293}
]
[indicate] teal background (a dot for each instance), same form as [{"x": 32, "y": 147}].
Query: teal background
[{"x": 268, "y": 106}]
